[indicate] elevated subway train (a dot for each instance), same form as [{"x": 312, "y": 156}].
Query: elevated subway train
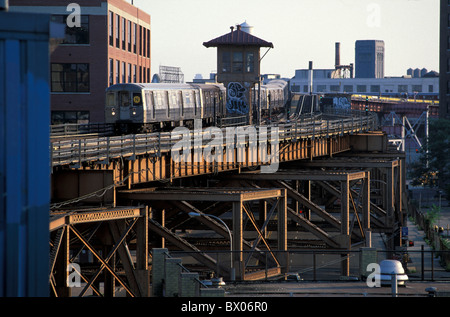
[
  {"x": 141, "y": 108},
  {"x": 155, "y": 107},
  {"x": 274, "y": 96}
]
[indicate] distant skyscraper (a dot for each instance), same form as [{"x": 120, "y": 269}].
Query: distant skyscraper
[
  {"x": 444, "y": 63},
  {"x": 369, "y": 59}
]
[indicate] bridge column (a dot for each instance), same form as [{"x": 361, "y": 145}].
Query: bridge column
[
  {"x": 282, "y": 228},
  {"x": 344, "y": 239},
  {"x": 142, "y": 272},
  {"x": 366, "y": 209},
  {"x": 390, "y": 206},
  {"x": 61, "y": 264},
  {"x": 237, "y": 244}
]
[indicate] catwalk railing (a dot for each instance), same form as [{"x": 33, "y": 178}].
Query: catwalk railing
[
  {"x": 76, "y": 151},
  {"x": 74, "y": 129},
  {"x": 326, "y": 265}
]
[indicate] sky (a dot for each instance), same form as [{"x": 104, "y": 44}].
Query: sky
[{"x": 300, "y": 30}]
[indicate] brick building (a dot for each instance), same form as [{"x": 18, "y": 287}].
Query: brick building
[{"x": 108, "y": 42}]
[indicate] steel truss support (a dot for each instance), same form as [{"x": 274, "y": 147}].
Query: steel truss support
[
  {"x": 408, "y": 129},
  {"x": 238, "y": 199},
  {"x": 388, "y": 205},
  {"x": 107, "y": 235},
  {"x": 350, "y": 210}
]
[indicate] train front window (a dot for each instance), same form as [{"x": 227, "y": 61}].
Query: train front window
[
  {"x": 110, "y": 99},
  {"x": 124, "y": 99}
]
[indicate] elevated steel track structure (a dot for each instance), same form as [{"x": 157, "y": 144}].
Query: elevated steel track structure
[{"x": 92, "y": 177}]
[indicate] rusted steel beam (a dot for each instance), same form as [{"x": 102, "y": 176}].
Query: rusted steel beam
[
  {"x": 85, "y": 216},
  {"x": 183, "y": 244},
  {"x": 311, "y": 175},
  {"x": 200, "y": 194}
]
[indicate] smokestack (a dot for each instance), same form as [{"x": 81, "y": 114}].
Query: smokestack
[
  {"x": 310, "y": 77},
  {"x": 337, "y": 61}
]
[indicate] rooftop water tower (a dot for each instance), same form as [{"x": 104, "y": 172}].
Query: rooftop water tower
[{"x": 247, "y": 28}]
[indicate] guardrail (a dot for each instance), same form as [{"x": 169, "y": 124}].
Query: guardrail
[
  {"x": 103, "y": 149},
  {"x": 71, "y": 129}
]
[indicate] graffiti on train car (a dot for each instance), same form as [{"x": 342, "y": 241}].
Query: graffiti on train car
[{"x": 236, "y": 99}]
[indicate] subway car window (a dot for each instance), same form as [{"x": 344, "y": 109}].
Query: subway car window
[
  {"x": 124, "y": 98},
  {"x": 110, "y": 99}
]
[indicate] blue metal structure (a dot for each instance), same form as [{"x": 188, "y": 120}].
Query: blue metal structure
[{"x": 24, "y": 154}]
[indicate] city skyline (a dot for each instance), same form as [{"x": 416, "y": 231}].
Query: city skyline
[{"x": 306, "y": 31}]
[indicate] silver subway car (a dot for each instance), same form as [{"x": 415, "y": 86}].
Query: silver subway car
[
  {"x": 157, "y": 106},
  {"x": 274, "y": 96}
]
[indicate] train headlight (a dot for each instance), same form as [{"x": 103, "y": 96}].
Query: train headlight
[
  {"x": 113, "y": 111},
  {"x": 134, "y": 111}
]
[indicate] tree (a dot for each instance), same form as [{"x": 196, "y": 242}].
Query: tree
[{"x": 433, "y": 168}]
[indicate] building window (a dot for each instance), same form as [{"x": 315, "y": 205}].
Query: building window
[
  {"x": 348, "y": 88},
  {"x": 226, "y": 62},
  {"x": 129, "y": 73},
  {"x": 144, "y": 45},
  {"x": 122, "y": 71},
  {"x": 122, "y": 33},
  {"x": 117, "y": 72},
  {"x": 134, "y": 37},
  {"x": 74, "y": 35},
  {"x": 70, "y": 77},
  {"x": 375, "y": 88},
  {"x": 250, "y": 63},
  {"x": 111, "y": 71},
  {"x": 117, "y": 30},
  {"x": 140, "y": 40},
  {"x": 134, "y": 73},
  {"x": 402, "y": 88},
  {"x": 321, "y": 88},
  {"x": 111, "y": 28},
  {"x": 335, "y": 88},
  {"x": 62, "y": 117},
  {"x": 238, "y": 62},
  {"x": 148, "y": 43},
  {"x": 417, "y": 88},
  {"x": 129, "y": 36},
  {"x": 361, "y": 88},
  {"x": 430, "y": 87}
]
